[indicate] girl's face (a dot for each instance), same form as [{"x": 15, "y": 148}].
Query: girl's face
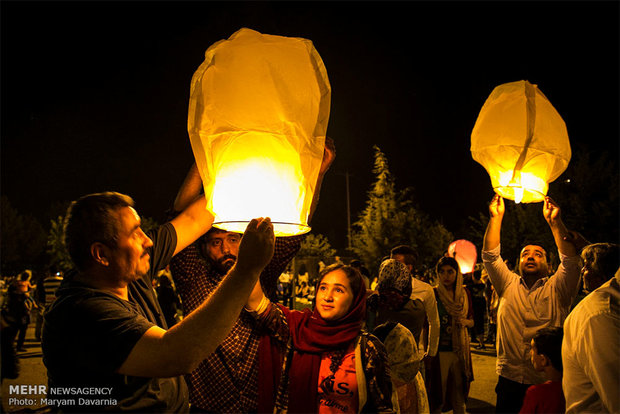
[
  {"x": 334, "y": 295},
  {"x": 447, "y": 275}
]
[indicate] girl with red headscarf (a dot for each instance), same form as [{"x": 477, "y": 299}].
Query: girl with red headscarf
[{"x": 321, "y": 360}]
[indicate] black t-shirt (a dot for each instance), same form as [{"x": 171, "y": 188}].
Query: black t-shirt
[{"x": 89, "y": 333}]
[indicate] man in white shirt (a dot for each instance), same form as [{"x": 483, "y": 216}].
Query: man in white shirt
[
  {"x": 590, "y": 357},
  {"x": 529, "y": 301},
  {"x": 424, "y": 292}
]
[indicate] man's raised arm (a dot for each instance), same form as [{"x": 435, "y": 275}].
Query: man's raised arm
[
  {"x": 551, "y": 212},
  {"x": 329, "y": 155},
  {"x": 194, "y": 219},
  {"x": 492, "y": 234},
  {"x": 161, "y": 353}
]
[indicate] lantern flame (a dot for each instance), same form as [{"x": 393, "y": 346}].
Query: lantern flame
[
  {"x": 274, "y": 188},
  {"x": 518, "y": 194},
  {"x": 516, "y": 186}
]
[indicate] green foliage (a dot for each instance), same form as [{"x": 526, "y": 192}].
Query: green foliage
[
  {"x": 56, "y": 248},
  {"x": 22, "y": 240},
  {"x": 316, "y": 245},
  {"x": 148, "y": 224},
  {"x": 588, "y": 193},
  {"x": 390, "y": 218}
]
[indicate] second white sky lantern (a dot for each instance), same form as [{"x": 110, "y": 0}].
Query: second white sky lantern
[
  {"x": 521, "y": 140},
  {"x": 258, "y": 113}
]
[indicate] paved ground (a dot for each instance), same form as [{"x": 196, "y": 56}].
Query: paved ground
[
  {"x": 32, "y": 372},
  {"x": 481, "y": 396}
]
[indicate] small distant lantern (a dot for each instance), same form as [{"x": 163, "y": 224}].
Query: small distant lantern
[
  {"x": 258, "y": 113},
  {"x": 465, "y": 254},
  {"x": 521, "y": 140}
]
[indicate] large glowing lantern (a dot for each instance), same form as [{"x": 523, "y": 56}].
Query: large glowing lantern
[
  {"x": 465, "y": 254},
  {"x": 521, "y": 140},
  {"x": 258, "y": 113}
]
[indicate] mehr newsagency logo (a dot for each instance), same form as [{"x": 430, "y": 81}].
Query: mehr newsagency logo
[{"x": 29, "y": 395}]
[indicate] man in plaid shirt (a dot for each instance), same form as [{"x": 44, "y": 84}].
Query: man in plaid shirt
[{"x": 227, "y": 381}]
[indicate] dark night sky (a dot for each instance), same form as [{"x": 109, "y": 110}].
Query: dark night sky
[{"x": 95, "y": 94}]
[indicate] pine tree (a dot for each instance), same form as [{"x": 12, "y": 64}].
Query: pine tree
[{"x": 390, "y": 218}]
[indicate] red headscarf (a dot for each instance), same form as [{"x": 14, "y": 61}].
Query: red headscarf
[{"x": 311, "y": 336}]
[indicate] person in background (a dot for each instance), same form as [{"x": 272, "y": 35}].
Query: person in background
[
  {"x": 397, "y": 321},
  {"x": 476, "y": 287},
  {"x": 363, "y": 271},
  {"x": 302, "y": 290},
  {"x": 21, "y": 304},
  {"x": 424, "y": 292},
  {"x": 492, "y": 303},
  {"x": 285, "y": 280},
  {"x": 453, "y": 366},
  {"x": 590, "y": 354},
  {"x": 168, "y": 299},
  {"x": 546, "y": 356}
]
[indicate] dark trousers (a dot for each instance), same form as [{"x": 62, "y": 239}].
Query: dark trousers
[
  {"x": 510, "y": 395},
  {"x": 21, "y": 336}
]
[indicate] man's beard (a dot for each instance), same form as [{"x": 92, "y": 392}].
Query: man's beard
[
  {"x": 540, "y": 271},
  {"x": 225, "y": 263}
]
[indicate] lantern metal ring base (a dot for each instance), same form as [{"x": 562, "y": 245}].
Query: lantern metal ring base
[
  {"x": 529, "y": 195},
  {"x": 280, "y": 229}
]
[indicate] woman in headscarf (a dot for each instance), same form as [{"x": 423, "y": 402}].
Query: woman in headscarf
[
  {"x": 399, "y": 321},
  {"x": 453, "y": 364},
  {"x": 321, "y": 360}
]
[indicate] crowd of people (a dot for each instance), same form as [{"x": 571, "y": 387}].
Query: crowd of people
[{"x": 189, "y": 317}]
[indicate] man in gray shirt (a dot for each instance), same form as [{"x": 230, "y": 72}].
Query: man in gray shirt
[{"x": 529, "y": 301}]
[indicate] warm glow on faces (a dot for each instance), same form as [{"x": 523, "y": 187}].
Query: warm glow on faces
[
  {"x": 533, "y": 260},
  {"x": 222, "y": 249},
  {"x": 537, "y": 359},
  {"x": 334, "y": 295},
  {"x": 447, "y": 275},
  {"x": 592, "y": 279},
  {"x": 130, "y": 257}
]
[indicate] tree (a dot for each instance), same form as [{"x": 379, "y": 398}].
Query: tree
[
  {"x": 390, "y": 218},
  {"x": 316, "y": 245},
  {"x": 56, "y": 248},
  {"x": 589, "y": 193},
  {"x": 22, "y": 240}
]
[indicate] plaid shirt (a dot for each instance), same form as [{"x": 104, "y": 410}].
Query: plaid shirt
[{"x": 227, "y": 381}]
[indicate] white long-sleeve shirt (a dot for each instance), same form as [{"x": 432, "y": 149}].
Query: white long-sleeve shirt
[
  {"x": 591, "y": 352},
  {"x": 424, "y": 292},
  {"x": 523, "y": 311}
]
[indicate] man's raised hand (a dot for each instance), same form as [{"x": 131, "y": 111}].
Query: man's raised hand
[
  {"x": 496, "y": 207},
  {"x": 551, "y": 212},
  {"x": 257, "y": 245}
]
